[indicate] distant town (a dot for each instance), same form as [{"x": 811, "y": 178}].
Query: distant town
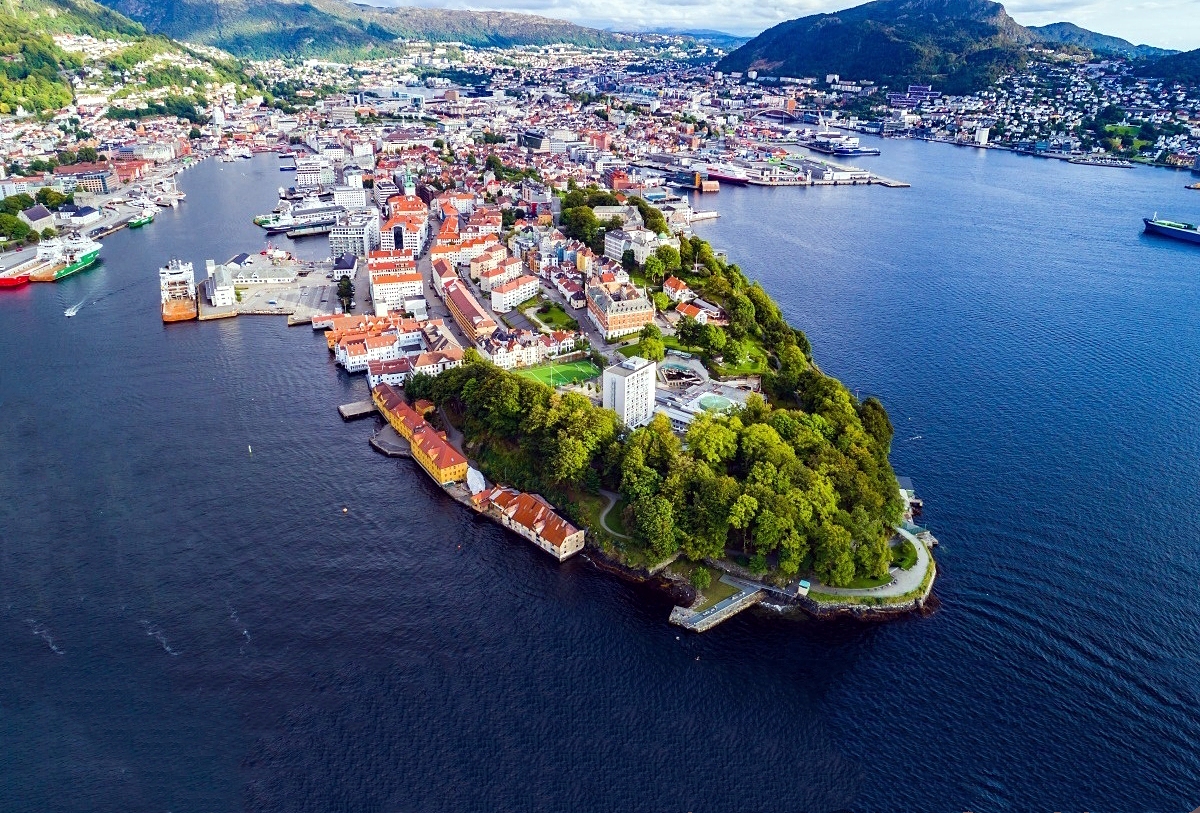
[{"x": 523, "y": 215}]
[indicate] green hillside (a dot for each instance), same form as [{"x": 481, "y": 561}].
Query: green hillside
[
  {"x": 334, "y": 28},
  {"x": 1183, "y": 67},
  {"x": 36, "y": 73},
  {"x": 31, "y": 66},
  {"x": 1071, "y": 34},
  {"x": 958, "y": 45}
]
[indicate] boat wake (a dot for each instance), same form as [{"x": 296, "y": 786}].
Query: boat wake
[
  {"x": 40, "y": 631},
  {"x": 74, "y": 309},
  {"x": 154, "y": 632}
]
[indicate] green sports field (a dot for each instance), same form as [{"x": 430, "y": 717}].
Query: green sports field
[{"x": 558, "y": 374}]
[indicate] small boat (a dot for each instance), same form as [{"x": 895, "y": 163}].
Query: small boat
[{"x": 1192, "y": 186}]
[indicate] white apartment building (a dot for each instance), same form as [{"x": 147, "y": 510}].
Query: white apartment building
[
  {"x": 358, "y": 234},
  {"x": 507, "y": 296},
  {"x": 628, "y": 389},
  {"x": 314, "y": 172}
]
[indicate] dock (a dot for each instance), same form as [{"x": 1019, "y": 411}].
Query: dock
[
  {"x": 747, "y": 596},
  {"x": 387, "y": 441},
  {"x": 356, "y": 410}
]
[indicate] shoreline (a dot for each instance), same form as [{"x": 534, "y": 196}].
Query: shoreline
[{"x": 677, "y": 589}]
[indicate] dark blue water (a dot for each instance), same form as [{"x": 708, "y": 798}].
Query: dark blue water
[{"x": 187, "y": 626}]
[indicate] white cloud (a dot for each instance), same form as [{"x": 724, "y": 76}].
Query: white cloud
[{"x": 1165, "y": 23}]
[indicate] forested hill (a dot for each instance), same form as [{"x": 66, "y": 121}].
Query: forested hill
[
  {"x": 1071, "y": 34},
  {"x": 335, "y": 28},
  {"x": 1183, "y": 67},
  {"x": 36, "y": 73},
  {"x": 958, "y": 45}
]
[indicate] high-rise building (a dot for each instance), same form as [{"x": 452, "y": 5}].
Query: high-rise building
[{"x": 629, "y": 390}]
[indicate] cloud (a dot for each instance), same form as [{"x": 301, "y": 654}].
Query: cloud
[{"x": 1165, "y": 23}]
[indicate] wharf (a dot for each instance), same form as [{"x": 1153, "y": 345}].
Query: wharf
[
  {"x": 889, "y": 182},
  {"x": 356, "y": 410},
  {"x": 387, "y": 441},
  {"x": 747, "y": 596}
]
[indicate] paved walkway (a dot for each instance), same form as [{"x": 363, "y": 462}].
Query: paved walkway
[
  {"x": 903, "y": 581},
  {"x": 613, "y": 499}
]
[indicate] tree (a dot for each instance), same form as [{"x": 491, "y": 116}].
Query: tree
[
  {"x": 49, "y": 232},
  {"x": 669, "y": 257},
  {"x": 650, "y": 331},
  {"x": 689, "y": 331},
  {"x": 711, "y": 440},
  {"x": 701, "y": 578},
  {"x": 194, "y": 133},
  {"x": 714, "y": 339},
  {"x": 628, "y": 260},
  {"x": 51, "y": 199},
  {"x": 654, "y": 519},
  {"x": 653, "y": 349},
  {"x": 654, "y": 269},
  {"x": 661, "y": 300}
]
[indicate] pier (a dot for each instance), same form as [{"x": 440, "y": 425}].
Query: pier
[
  {"x": 747, "y": 596},
  {"x": 356, "y": 410},
  {"x": 387, "y": 441}
]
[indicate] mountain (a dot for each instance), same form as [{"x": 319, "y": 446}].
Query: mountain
[
  {"x": 958, "y": 45},
  {"x": 1178, "y": 67},
  {"x": 1071, "y": 34},
  {"x": 35, "y": 73},
  {"x": 717, "y": 39},
  {"x": 336, "y": 28}
]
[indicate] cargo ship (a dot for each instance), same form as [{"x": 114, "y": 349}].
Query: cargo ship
[
  {"x": 62, "y": 257},
  {"x": 1168, "y": 228},
  {"x": 177, "y": 285}
]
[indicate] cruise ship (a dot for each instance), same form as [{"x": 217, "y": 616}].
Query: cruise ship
[
  {"x": 831, "y": 142},
  {"x": 177, "y": 285},
  {"x": 1187, "y": 232},
  {"x": 727, "y": 173},
  {"x": 63, "y": 256},
  {"x": 311, "y": 211}
]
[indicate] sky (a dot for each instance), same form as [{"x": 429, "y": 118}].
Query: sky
[{"x": 1163, "y": 23}]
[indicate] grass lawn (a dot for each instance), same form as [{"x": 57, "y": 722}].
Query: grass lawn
[
  {"x": 556, "y": 317},
  {"x": 863, "y": 582},
  {"x": 615, "y": 518},
  {"x": 556, "y": 375},
  {"x": 756, "y": 364},
  {"x": 717, "y": 591}
]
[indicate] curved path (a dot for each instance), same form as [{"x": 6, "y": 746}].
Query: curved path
[
  {"x": 903, "y": 581},
  {"x": 613, "y": 499}
]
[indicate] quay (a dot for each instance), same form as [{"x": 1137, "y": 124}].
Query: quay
[
  {"x": 747, "y": 596},
  {"x": 356, "y": 410},
  {"x": 387, "y": 441}
]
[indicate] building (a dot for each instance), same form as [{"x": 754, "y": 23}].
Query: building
[
  {"x": 618, "y": 309},
  {"x": 677, "y": 290},
  {"x": 468, "y": 313},
  {"x": 357, "y": 234},
  {"x": 441, "y": 461},
  {"x": 639, "y": 239},
  {"x": 628, "y": 389},
  {"x": 533, "y": 518},
  {"x": 508, "y": 295},
  {"x": 218, "y": 286}
]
